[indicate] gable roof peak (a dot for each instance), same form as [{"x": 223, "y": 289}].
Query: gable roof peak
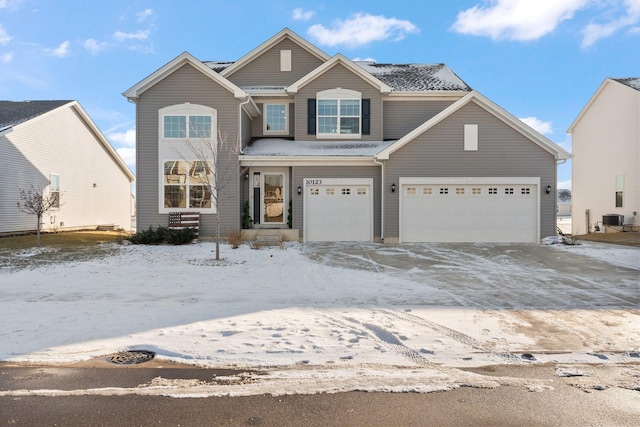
[{"x": 285, "y": 33}]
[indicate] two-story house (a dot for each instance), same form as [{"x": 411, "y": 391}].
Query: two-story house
[{"x": 348, "y": 150}]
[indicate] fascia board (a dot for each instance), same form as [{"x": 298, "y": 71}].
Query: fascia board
[
  {"x": 285, "y": 33},
  {"x": 306, "y": 161},
  {"x": 586, "y": 108},
  {"x": 184, "y": 58},
  {"x": 339, "y": 58}
]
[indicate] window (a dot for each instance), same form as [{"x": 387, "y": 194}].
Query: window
[
  {"x": 493, "y": 190},
  {"x": 444, "y": 191},
  {"x": 525, "y": 191},
  {"x": 330, "y": 191},
  {"x": 460, "y": 190},
  {"x": 54, "y": 190},
  {"x": 187, "y": 184},
  {"x": 276, "y": 119},
  {"x": 362, "y": 191},
  {"x": 314, "y": 191},
  {"x": 411, "y": 190},
  {"x": 476, "y": 191},
  {"x": 176, "y": 126},
  {"x": 619, "y": 189},
  {"x": 339, "y": 113},
  {"x": 346, "y": 191},
  {"x": 427, "y": 191},
  {"x": 508, "y": 191}
]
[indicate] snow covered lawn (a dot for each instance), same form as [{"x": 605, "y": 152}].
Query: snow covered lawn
[{"x": 332, "y": 317}]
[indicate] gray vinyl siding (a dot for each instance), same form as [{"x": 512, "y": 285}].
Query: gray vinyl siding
[
  {"x": 258, "y": 123},
  {"x": 247, "y": 124},
  {"x": 338, "y": 77},
  {"x": 401, "y": 117},
  {"x": 301, "y": 172},
  {"x": 185, "y": 85},
  {"x": 502, "y": 152},
  {"x": 265, "y": 69}
]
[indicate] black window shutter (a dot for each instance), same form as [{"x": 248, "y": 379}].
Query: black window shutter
[
  {"x": 366, "y": 117},
  {"x": 311, "y": 116}
]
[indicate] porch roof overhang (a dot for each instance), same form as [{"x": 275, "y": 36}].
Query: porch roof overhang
[{"x": 271, "y": 151}]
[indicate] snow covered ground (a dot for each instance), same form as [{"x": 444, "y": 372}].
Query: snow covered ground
[{"x": 327, "y": 318}]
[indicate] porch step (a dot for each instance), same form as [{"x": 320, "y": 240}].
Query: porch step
[{"x": 269, "y": 238}]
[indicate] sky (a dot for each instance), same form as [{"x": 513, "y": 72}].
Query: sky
[
  {"x": 319, "y": 320},
  {"x": 540, "y": 60}
]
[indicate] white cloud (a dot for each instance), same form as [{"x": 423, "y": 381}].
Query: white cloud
[
  {"x": 10, "y": 4},
  {"x": 538, "y": 125},
  {"x": 6, "y": 58},
  {"x": 94, "y": 46},
  {"x": 4, "y": 36},
  {"x": 564, "y": 185},
  {"x": 361, "y": 29},
  {"x": 300, "y": 14},
  {"x": 516, "y": 19},
  {"x": 144, "y": 15},
  {"x": 123, "y": 139},
  {"x": 629, "y": 17},
  {"x": 61, "y": 51},
  {"x": 139, "y": 35}
]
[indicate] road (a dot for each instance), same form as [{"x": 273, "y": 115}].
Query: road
[{"x": 31, "y": 395}]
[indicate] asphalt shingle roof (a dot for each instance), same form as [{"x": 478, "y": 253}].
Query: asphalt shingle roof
[
  {"x": 13, "y": 113},
  {"x": 400, "y": 77},
  {"x": 633, "y": 82}
]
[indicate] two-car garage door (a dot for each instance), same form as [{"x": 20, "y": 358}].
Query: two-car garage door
[{"x": 469, "y": 210}]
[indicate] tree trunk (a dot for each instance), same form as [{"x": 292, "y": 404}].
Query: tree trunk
[
  {"x": 218, "y": 236},
  {"x": 38, "y": 231}
]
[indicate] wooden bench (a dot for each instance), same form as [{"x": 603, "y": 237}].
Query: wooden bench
[{"x": 182, "y": 220}]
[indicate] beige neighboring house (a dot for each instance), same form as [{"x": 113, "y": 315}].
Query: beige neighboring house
[
  {"x": 56, "y": 147},
  {"x": 606, "y": 158}
]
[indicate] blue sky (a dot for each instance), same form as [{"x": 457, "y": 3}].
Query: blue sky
[{"x": 540, "y": 60}]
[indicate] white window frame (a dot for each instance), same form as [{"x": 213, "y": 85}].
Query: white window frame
[
  {"x": 338, "y": 95},
  {"x": 619, "y": 187},
  {"x": 266, "y": 131},
  {"x": 53, "y": 190},
  {"x": 177, "y": 149}
]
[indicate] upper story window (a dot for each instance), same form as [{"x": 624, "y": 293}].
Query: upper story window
[
  {"x": 275, "y": 121},
  {"x": 339, "y": 113},
  {"x": 179, "y": 126}
]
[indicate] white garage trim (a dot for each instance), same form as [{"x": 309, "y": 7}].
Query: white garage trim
[
  {"x": 355, "y": 208},
  {"x": 533, "y": 224}
]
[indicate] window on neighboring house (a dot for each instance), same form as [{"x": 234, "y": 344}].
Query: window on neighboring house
[
  {"x": 187, "y": 184},
  {"x": 54, "y": 190},
  {"x": 176, "y": 126},
  {"x": 619, "y": 190},
  {"x": 276, "y": 119}
]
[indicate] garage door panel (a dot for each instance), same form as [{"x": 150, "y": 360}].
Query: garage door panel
[
  {"x": 339, "y": 212},
  {"x": 459, "y": 212}
]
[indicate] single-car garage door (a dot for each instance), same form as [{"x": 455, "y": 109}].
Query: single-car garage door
[
  {"x": 338, "y": 210},
  {"x": 469, "y": 210}
]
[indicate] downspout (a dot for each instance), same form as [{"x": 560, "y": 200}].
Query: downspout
[
  {"x": 240, "y": 152},
  {"x": 382, "y": 187}
]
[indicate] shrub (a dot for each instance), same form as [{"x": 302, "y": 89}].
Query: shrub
[
  {"x": 149, "y": 236},
  {"x": 181, "y": 237},
  {"x": 235, "y": 238}
]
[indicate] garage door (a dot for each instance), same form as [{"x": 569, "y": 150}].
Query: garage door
[
  {"x": 469, "y": 210},
  {"x": 338, "y": 210}
]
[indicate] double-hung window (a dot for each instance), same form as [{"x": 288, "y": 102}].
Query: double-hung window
[
  {"x": 339, "y": 113},
  {"x": 54, "y": 190}
]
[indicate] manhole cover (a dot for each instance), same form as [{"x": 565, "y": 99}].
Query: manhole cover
[{"x": 131, "y": 357}]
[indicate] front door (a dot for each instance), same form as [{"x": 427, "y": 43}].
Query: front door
[{"x": 273, "y": 206}]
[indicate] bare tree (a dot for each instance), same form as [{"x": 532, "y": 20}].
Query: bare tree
[
  {"x": 36, "y": 202},
  {"x": 208, "y": 171},
  {"x": 564, "y": 195}
]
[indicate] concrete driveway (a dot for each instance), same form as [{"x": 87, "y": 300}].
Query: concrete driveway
[{"x": 497, "y": 276}]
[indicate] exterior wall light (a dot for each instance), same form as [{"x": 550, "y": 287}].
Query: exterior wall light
[
  {"x": 246, "y": 176},
  {"x": 393, "y": 187},
  {"x": 548, "y": 190},
  {"x": 299, "y": 190}
]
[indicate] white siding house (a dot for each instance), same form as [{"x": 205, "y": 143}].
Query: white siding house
[
  {"x": 55, "y": 146},
  {"x": 606, "y": 156}
]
